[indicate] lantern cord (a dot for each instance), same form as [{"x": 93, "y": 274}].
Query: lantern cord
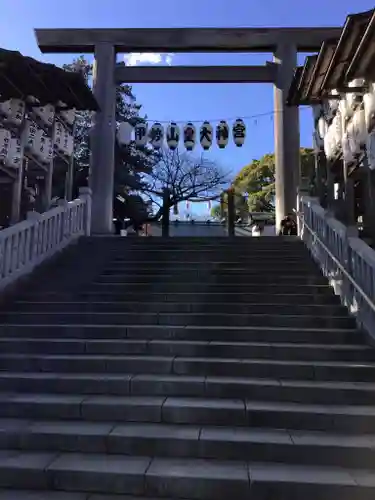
[{"x": 250, "y": 117}]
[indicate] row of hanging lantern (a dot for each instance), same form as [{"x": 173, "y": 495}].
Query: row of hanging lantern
[
  {"x": 155, "y": 135},
  {"x": 33, "y": 136}
]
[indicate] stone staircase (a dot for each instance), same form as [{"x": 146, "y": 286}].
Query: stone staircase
[{"x": 196, "y": 369}]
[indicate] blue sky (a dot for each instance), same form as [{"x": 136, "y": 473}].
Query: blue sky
[{"x": 186, "y": 102}]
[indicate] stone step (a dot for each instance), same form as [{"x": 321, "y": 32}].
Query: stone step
[
  {"x": 354, "y": 419},
  {"x": 196, "y": 265},
  {"x": 197, "y": 479},
  {"x": 194, "y": 306},
  {"x": 219, "y": 278},
  {"x": 266, "y": 389},
  {"x": 184, "y": 269},
  {"x": 175, "y": 319},
  {"x": 211, "y": 298},
  {"x": 48, "y": 495},
  {"x": 206, "y": 287},
  {"x": 206, "y": 333},
  {"x": 191, "y": 366},
  {"x": 200, "y": 348},
  {"x": 185, "y": 441}
]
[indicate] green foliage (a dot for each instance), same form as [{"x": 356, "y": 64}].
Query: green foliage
[
  {"x": 215, "y": 211},
  {"x": 256, "y": 181}
]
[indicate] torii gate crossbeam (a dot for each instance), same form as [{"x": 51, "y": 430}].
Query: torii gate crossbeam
[{"x": 284, "y": 43}]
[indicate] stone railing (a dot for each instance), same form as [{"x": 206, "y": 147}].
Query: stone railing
[
  {"x": 28, "y": 243},
  {"x": 347, "y": 261}
]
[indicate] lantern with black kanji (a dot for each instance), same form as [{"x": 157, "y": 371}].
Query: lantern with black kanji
[
  {"x": 222, "y": 134},
  {"x": 206, "y": 135},
  {"x": 173, "y": 135},
  {"x": 156, "y": 135},
  {"x": 189, "y": 136},
  {"x": 124, "y": 133},
  {"x": 239, "y": 132},
  {"x": 140, "y": 133}
]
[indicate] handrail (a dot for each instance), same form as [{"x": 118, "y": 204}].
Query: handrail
[{"x": 337, "y": 262}]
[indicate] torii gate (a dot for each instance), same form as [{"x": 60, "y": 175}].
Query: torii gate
[{"x": 284, "y": 43}]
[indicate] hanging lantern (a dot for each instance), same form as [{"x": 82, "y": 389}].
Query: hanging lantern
[
  {"x": 206, "y": 135},
  {"x": 140, "y": 133},
  {"x": 13, "y": 111},
  {"x": 239, "y": 132},
  {"x": 14, "y": 156},
  {"x": 68, "y": 115},
  {"x": 5, "y": 138},
  {"x": 124, "y": 133},
  {"x": 32, "y": 137},
  {"x": 45, "y": 114},
  {"x": 156, "y": 135},
  {"x": 58, "y": 136},
  {"x": 222, "y": 134},
  {"x": 189, "y": 136},
  {"x": 173, "y": 135}
]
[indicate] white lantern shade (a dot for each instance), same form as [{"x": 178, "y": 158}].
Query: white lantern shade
[
  {"x": 13, "y": 111},
  {"x": 189, "y": 136},
  {"x": 124, "y": 133},
  {"x": 334, "y": 103},
  {"x": 353, "y": 145},
  {"x": 369, "y": 106},
  {"x": 68, "y": 144},
  {"x": 140, "y": 133},
  {"x": 337, "y": 131},
  {"x": 5, "y": 138},
  {"x": 58, "y": 136},
  {"x": 45, "y": 114},
  {"x": 222, "y": 134},
  {"x": 359, "y": 128},
  {"x": 173, "y": 135},
  {"x": 354, "y": 98},
  {"x": 370, "y": 148},
  {"x": 14, "y": 156},
  {"x": 32, "y": 137},
  {"x": 68, "y": 116},
  {"x": 45, "y": 148},
  {"x": 345, "y": 111},
  {"x": 156, "y": 135},
  {"x": 239, "y": 132},
  {"x": 346, "y": 150},
  {"x": 322, "y": 127},
  {"x": 206, "y": 132},
  {"x": 328, "y": 144}
]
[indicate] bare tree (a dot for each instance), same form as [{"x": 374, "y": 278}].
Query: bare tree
[{"x": 185, "y": 177}]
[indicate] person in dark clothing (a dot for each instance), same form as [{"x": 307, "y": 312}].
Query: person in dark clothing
[
  {"x": 288, "y": 227},
  {"x": 118, "y": 226}
]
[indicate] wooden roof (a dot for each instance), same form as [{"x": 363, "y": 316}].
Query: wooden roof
[
  {"x": 22, "y": 76},
  {"x": 338, "y": 62}
]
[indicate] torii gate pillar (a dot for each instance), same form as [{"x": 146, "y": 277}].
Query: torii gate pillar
[
  {"x": 102, "y": 139},
  {"x": 287, "y": 135}
]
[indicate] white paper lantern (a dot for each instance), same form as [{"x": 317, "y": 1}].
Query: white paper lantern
[
  {"x": 322, "y": 127},
  {"x": 359, "y": 128},
  {"x": 189, "y": 136},
  {"x": 13, "y": 111},
  {"x": 124, "y": 133},
  {"x": 68, "y": 115},
  {"x": 354, "y": 98},
  {"x": 140, "y": 133},
  {"x": 239, "y": 132},
  {"x": 328, "y": 144},
  {"x": 45, "y": 114},
  {"x": 14, "y": 156},
  {"x": 58, "y": 136},
  {"x": 346, "y": 150},
  {"x": 5, "y": 138},
  {"x": 369, "y": 105},
  {"x": 206, "y": 132},
  {"x": 370, "y": 149},
  {"x": 222, "y": 134},
  {"x": 173, "y": 135},
  {"x": 333, "y": 104},
  {"x": 336, "y": 131},
  {"x": 32, "y": 137},
  {"x": 68, "y": 144},
  {"x": 156, "y": 135},
  {"x": 353, "y": 145},
  {"x": 45, "y": 148}
]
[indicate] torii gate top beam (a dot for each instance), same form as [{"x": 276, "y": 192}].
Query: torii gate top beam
[{"x": 183, "y": 39}]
